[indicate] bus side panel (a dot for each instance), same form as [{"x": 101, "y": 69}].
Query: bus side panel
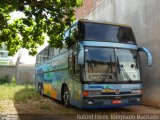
[
  {"x": 75, "y": 91},
  {"x": 38, "y": 76},
  {"x": 56, "y": 80},
  {"x": 58, "y": 66},
  {"x": 62, "y": 73},
  {"x": 53, "y": 74},
  {"x": 50, "y": 88},
  {"x": 50, "y": 82}
]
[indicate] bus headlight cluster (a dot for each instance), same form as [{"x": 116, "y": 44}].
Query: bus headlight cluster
[{"x": 90, "y": 93}]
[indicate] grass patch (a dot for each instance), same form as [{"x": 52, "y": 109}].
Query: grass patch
[
  {"x": 4, "y": 79},
  {"x": 18, "y": 92}
]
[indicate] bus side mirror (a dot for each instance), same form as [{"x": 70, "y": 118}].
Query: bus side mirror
[
  {"x": 149, "y": 56},
  {"x": 81, "y": 54}
]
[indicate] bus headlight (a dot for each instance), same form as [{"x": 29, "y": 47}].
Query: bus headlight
[
  {"x": 85, "y": 93},
  {"x": 136, "y": 92}
]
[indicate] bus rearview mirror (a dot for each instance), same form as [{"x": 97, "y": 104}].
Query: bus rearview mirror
[
  {"x": 148, "y": 54},
  {"x": 81, "y": 54}
]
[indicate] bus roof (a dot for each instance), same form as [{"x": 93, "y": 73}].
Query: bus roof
[
  {"x": 91, "y": 21},
  {"x": 102, "y": 22}
]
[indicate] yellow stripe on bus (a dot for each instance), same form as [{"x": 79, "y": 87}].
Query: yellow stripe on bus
[{"x": 48, "y": 90}]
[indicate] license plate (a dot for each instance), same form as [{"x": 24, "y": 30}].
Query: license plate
[{"x": 116, "y": 101}]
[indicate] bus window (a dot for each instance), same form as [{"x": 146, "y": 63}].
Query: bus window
[
  {"x": 107, "y": 33},
  {"x": 66, "y": 38},
  {"x": 73, "y": 36},
  {"x": 51, "y": 52},
  {"x": 45, "y": 54},
  {"x": 37, "y": 59},
  {"x": 56, "y": 51},
  {"x": 41, "y": 56},
  {"x": 100, "y": 64},
  {"x": 63, "y": 50},
  {"x": 128, "y": 66},
  {"x": 76, "y": 66},
  {"x": 70, "y": 62},
  {"x": 73, "y": 62},
  {"x": 66, "y": 35}
]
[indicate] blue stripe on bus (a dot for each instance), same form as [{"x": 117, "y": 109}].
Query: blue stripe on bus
[{"x": 96, "y": 87}]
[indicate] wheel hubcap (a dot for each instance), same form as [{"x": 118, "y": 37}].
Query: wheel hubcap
[
  {"x": 66, "y": 98},
  {"x": 40, "y": 90}
]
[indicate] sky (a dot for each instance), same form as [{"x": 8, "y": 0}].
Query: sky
[{"x": 25, "y": 58}]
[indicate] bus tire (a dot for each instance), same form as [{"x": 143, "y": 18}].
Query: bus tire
[
  {"x": 66, "y": 96},
  {"x": 40, "y": 89}
]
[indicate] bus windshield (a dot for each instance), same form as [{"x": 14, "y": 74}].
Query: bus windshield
[
  {"x": 107, "y": 33},
  {"x": 111, "y": 65},
  {"x": 127, "y": 65}
]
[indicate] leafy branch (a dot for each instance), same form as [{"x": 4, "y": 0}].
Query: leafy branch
[{"x": 50, "y": 17}]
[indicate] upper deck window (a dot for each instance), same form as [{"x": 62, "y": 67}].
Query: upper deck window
[{"x": 106, "y": 32}]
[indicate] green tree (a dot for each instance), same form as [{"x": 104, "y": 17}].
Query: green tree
[{"x": 42, "y": 17}]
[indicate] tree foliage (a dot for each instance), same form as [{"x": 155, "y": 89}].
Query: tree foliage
[{"x": 42, "y": 17}]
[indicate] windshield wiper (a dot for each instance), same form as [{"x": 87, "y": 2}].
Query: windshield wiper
[
  {"x": 125, "y": 74},
  {"x": 118, "y": 65},
  {"x": 109, "y": 70},
  {"x": 111, "y": 62}
]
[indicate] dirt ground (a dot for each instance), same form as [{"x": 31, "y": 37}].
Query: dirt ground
[{"x": 47, "y": 106}]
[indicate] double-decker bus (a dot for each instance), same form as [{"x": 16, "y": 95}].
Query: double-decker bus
[{"x": 100, "y": 70}]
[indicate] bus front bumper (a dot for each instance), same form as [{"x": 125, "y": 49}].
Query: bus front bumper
[{"x": 109, "y": 103}]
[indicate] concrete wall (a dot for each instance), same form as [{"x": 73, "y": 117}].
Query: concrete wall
[
  {"x": 144, "y": 17},
  {"x": 9, "y": 71},
  {"x": 22, "y": 74},
  {"x": 25, "y": 74}
]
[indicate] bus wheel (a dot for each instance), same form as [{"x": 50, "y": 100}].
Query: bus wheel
[
  {"x": 40, "y": 89},
  {"x": 66, "y": 96}
]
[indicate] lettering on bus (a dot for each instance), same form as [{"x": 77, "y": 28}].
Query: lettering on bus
[{"x": 131, "y": 86}]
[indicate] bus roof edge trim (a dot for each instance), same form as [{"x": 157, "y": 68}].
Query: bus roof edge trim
[{"x": 109, "y": 44}]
